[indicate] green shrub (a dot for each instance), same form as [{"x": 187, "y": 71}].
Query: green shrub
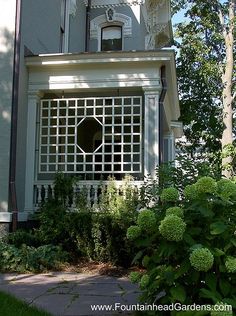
[
  {"x": 190, "y": 192},
  {"x": 178, "y": 211},
  {"x": 191, "y": 257},
  {"x": 54, "y": 226},
  {"x": 10, "y": 258},
  {"x": 43, "y": 258},
  {"x": 169, "y": 195},
  {"x": 109, "y": 238},
  {"x": 31, "y": 259},
  {"x": 133, "y": 232},
  {"x": 230, "y": 265},
  {"x": 21, "y": 237},
  {"x": 134, "y": 277},
  {"x": 206, "y": 185},
  {"x": 146, "y": 220},
  {"x": 201, "y": 259},
  {"x": 172, "y": 227},
  {"x": 63, "y": 188},
  {"x": 98, "y": 235}
]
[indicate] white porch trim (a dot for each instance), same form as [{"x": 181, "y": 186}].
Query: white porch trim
[
  {"x": 151, "y": 129},
  {"x": 30, "y": 153}
]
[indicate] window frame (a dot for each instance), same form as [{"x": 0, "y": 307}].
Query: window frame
[
  {"x": 110, "y": 25},
  {"x": 100, "y": 22}
]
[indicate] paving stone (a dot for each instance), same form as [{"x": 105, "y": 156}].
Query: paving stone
[{"x": 70, "y": 294}]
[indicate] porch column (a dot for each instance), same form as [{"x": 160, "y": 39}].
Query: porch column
[
  {"x": 33, "y": 99},
  {"x": 169, "y": 147},
  {"x": 151, "y": 129}
]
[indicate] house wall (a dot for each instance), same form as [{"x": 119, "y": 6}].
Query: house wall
[
  {"x": 137, "y": 40},
  {"x": 7, "y": 27},
  {"x": 77, "y": 28},
  {"x": 41, "y": 35},
  {"x": 39, "y": 18}
]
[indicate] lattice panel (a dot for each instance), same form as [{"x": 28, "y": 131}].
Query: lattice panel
[{"x": 91, "y": 135}]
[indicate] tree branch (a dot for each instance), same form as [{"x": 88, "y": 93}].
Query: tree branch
[{"x": 234, "y": 96}]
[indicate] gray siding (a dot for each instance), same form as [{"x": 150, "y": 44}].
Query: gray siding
[
  {"x": 41, "y": 25},
  {"x": 40, "y": 34},
  {"x": 6, "y": 67},
  {"x": 77, "y": 29},
  {"x": 137, "y": 41}
]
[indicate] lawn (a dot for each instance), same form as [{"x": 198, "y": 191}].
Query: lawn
[{"x": 10, "y": 306}]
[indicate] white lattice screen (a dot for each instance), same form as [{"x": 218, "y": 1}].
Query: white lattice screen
[{"x": 91, "y": 135}]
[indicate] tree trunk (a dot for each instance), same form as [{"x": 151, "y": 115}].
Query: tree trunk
[{"x": 227, "y": 98}]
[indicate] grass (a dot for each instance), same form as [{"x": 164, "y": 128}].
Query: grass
[{"x": 9, "y": 306}]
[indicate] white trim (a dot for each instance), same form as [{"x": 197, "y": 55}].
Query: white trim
[
  {"x": 169, "y": 137},
  {"x": 101, "y": 21},
  {"x": 113, "y": 3},
  {"x": 30, "y": 153},
  {"x": 151, "y": 125},
  {"x": 67, "y": 27},
  {"x": 5, "y": 217},
  {"x": 120, "y": 120}
]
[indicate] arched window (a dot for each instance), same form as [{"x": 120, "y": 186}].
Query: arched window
[{"x": 111, "y": 38}]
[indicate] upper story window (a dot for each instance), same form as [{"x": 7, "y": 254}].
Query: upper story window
[
  {"x": 111, "y": 30},
  {"x": 111, "y": 38}
]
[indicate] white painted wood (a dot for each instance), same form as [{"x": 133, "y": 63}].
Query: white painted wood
[
  {"x": 121, "y": 135},
  {"x": 92, "y": 200},
  {"x": 30, "y": 154},
  {"x": 151, "y": 130}
]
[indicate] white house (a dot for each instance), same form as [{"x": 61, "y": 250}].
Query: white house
[{"x": 97, "y": 96}]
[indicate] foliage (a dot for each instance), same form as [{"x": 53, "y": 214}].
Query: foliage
[
  {"x": 54, "y": 226},
  {"x": 185, "y": 171},
  {"x": 172, "y": 227},
  {"x": 11, "y": 306},
  {"x": 20, "y": 237},
  {"x": 96, "y": 235},
  {"x": 206, "y": 72},
  {"x": 109, "y": 235},
  {"x": 63, "y": 188},
  {"x": 191, "y": 258},
  {"x": 31, "y": 259},
  {"x": 118, "y": 200}
]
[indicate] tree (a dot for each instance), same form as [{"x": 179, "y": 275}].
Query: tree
[{"x": 206, "y": 72}]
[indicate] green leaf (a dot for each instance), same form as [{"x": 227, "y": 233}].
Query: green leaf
[
  {"x": 195, "y": 231},
  {"x": 178, "y": 293},
  {"x": 233, "y": 241},
  {"x": 217, "y": 228},
  {"x": 169, "y": 276},
  {"x": 189, "y": 240},
  {"x": 137, "y": 257},
  {"x": 230, "y": 301},
  {"x": 184, "y": 267},
  {"x": 206, "y": 212},
  {"x": 218, "y": 252},
  {"x": 196, "y": 246},
  {"x": 211, "y": 281},
  {"x": 213, "y": 295},
  {"x": 225, "y": 287}
]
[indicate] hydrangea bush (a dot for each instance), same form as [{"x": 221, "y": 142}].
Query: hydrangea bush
[{"x": 187, "y": 245}]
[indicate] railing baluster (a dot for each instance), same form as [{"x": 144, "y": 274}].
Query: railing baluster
[
  {"x": 44, "y": 191},
  {"x": 88, "y": 187},
  {"x": 39, "y": 195}
]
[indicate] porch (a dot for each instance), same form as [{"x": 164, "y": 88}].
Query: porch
[
  {"x": 96, "y": 115},
  {"x": 44, "y": 190}
]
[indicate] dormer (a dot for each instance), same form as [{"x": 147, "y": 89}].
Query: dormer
[{"x": 129, "y": 24}]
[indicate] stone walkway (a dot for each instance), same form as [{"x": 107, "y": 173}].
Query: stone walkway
[{"x": 71, "y": 294}]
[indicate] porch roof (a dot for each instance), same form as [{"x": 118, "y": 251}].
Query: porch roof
[{"x": 96, "y": 62}]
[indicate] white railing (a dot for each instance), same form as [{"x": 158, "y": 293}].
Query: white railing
[{"x": 44, "y": 190}]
